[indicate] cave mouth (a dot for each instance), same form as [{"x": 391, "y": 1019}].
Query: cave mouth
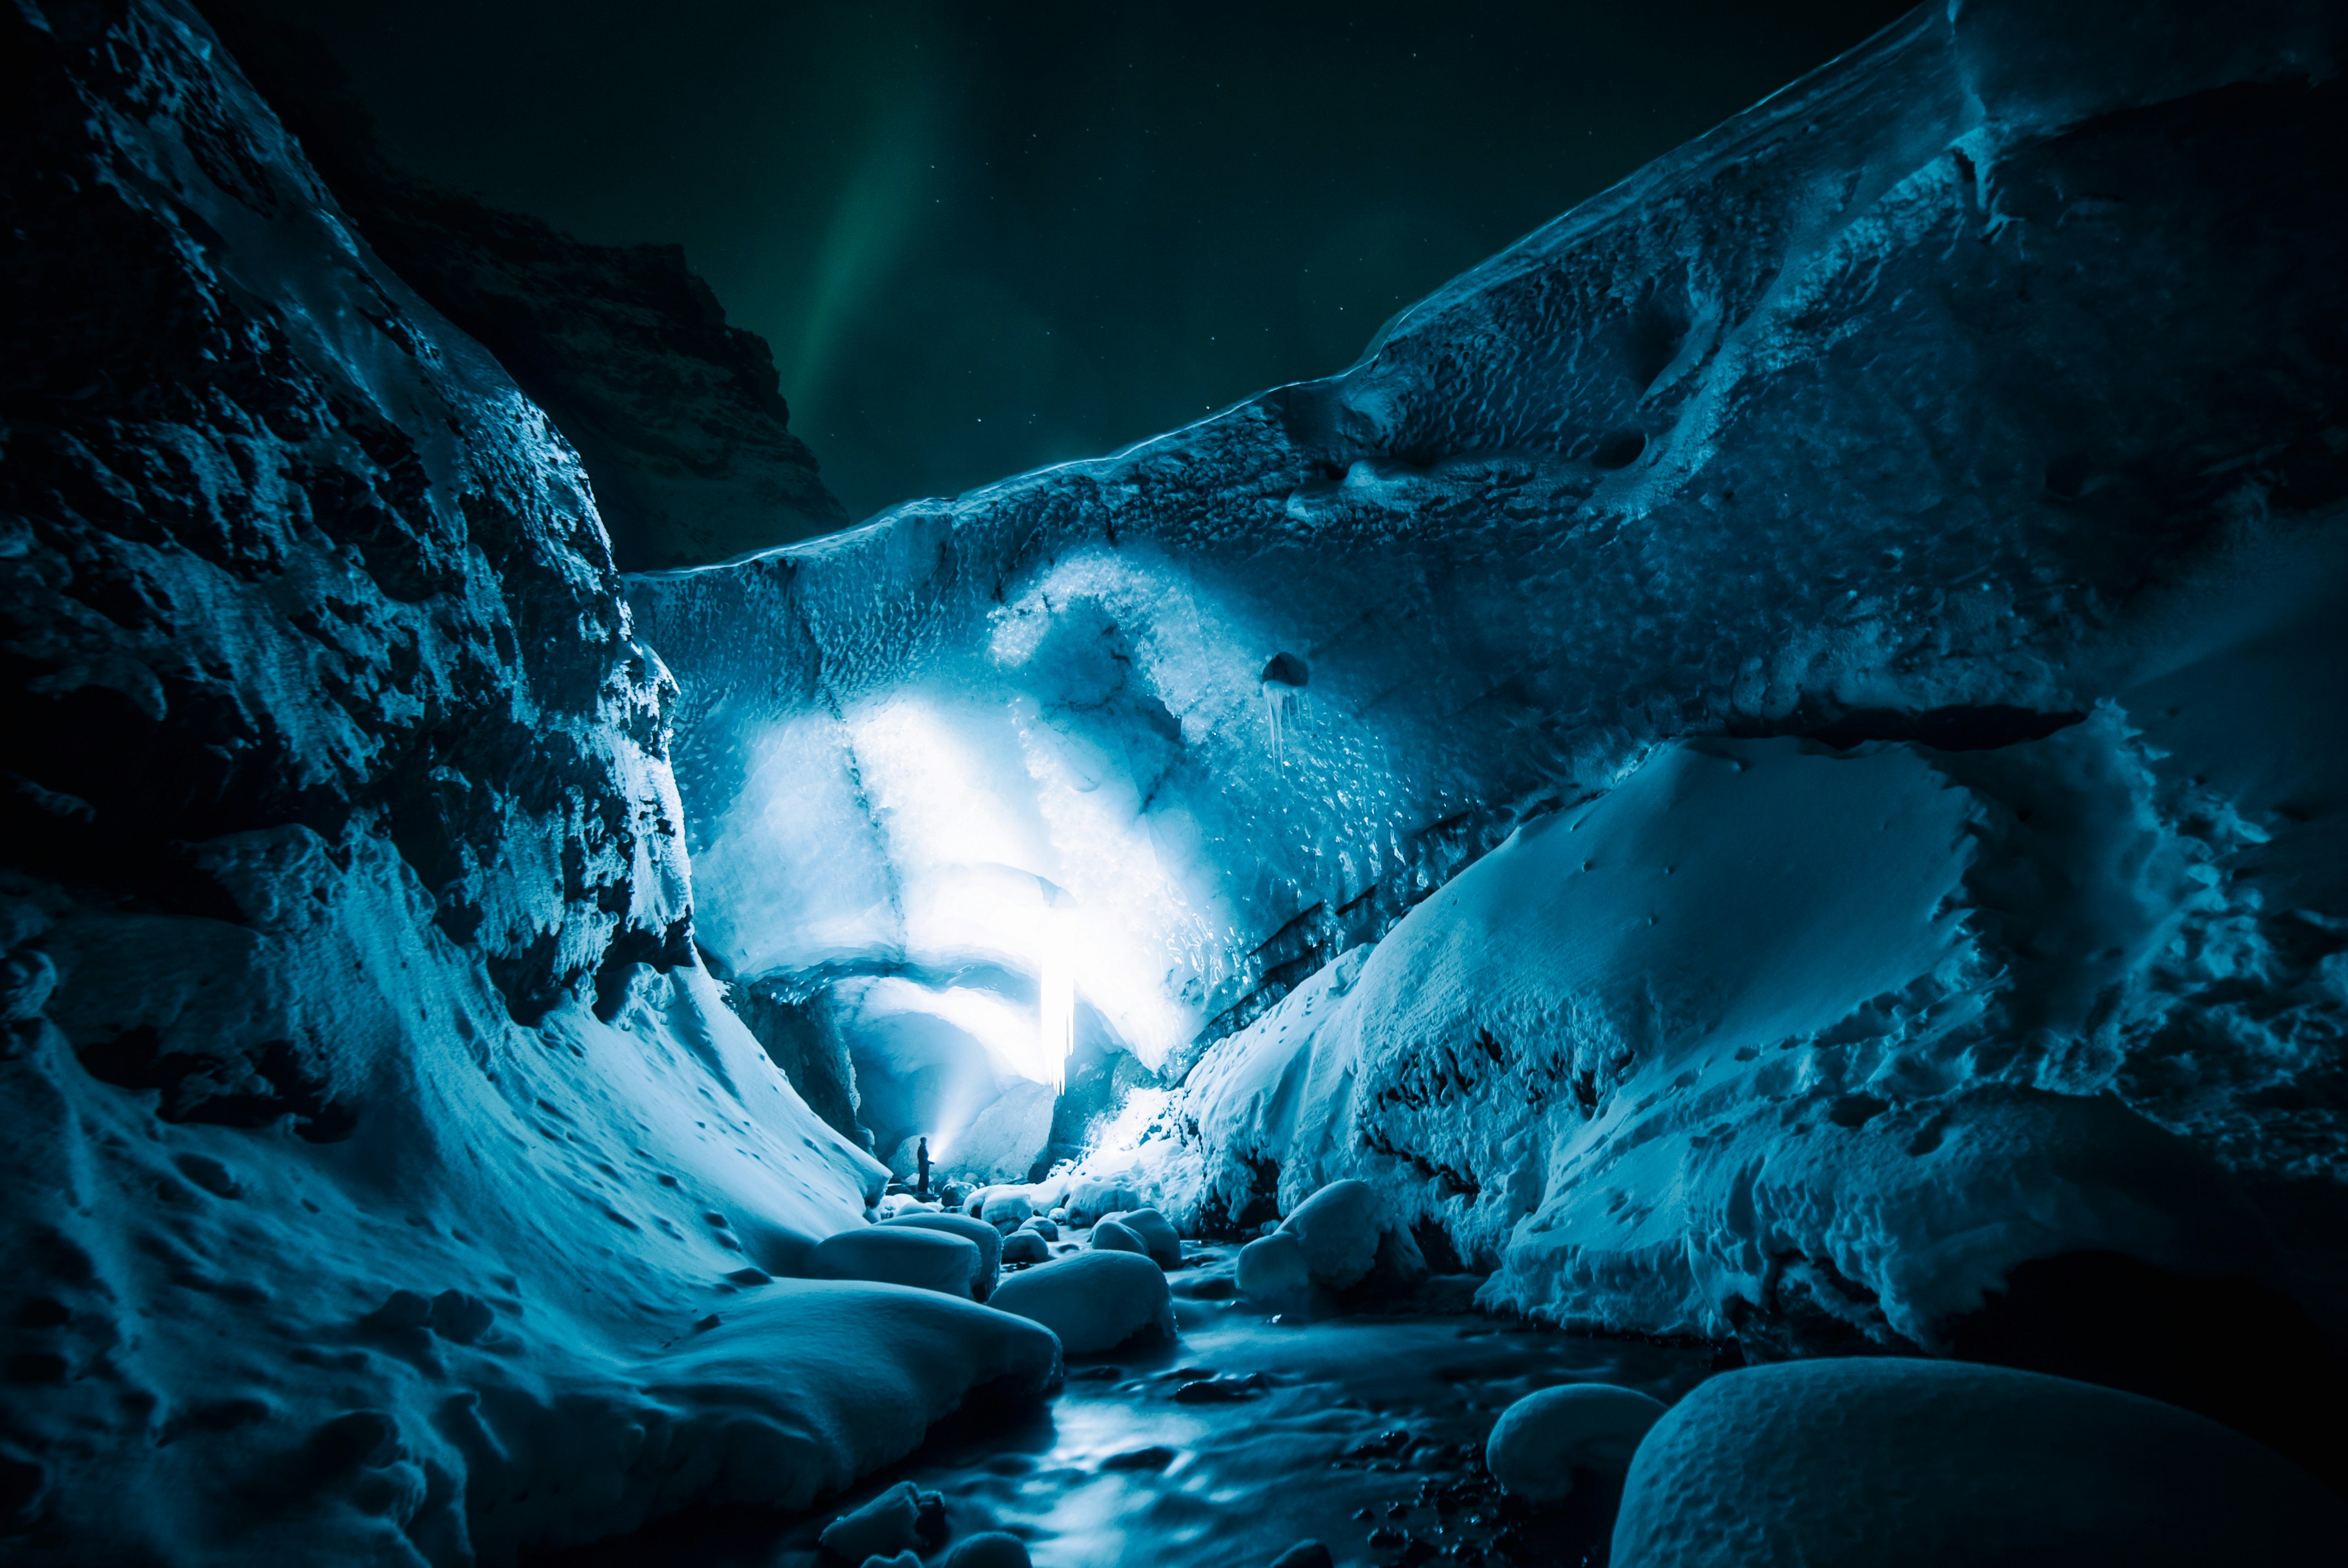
[{"x": 1005, "y": 1071}]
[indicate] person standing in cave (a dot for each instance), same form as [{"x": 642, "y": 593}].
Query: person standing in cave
[{"x": 922, "y": 1159}]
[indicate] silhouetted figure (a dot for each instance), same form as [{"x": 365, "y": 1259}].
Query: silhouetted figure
[{"x": 921, "y": 1158}]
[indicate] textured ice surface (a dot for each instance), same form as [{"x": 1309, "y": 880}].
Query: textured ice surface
[
  {"x": 1735, "y": 1037},
  {"x": 1898, "y": 532}
]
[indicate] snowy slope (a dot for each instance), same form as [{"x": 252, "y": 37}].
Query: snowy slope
[{"x": 386, "y": 1183}]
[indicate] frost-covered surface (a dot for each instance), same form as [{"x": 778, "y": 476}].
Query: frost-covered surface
[
  {"x": 1974, "y": 403},
  {"x": 1840, "y": 1463},
  {"x": 385, "y": 1183}
]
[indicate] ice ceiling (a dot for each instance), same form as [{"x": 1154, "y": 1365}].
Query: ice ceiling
[{"x": 1799, "y": 432}]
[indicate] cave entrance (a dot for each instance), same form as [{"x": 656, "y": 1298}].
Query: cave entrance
[{"x": 1004, "y": 1077}]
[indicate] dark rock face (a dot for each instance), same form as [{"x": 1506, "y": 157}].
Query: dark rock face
[{"x": 677, "y": 416}]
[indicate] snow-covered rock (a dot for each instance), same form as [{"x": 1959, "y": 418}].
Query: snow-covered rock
[
  {"x": 1272, "y": 1272},
  {"x": 1153, "y": 1229},
  {"x": 978, "y": 1233},
  {"x": 1109, "y": 1235},
  {"x": 895, "y": 1255},
  {"x": 1090, "y": 1197},
  {"x": 1337, "y": 1229},
  {"x": 1094, "y": 1301},
  {"x": 1864, "y": 1461},
  {"x": 1025, "y": 1247},
  {"x": 1541, "y": 1439}
]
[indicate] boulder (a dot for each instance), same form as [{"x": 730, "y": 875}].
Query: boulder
[
  {"x": 1272, "y": 1271},
  {"x": 1857, "y": 1462},
  {"x": 901, "y": 1255},
  {"x": 1094, "y": 1301},
  {"x": 1156, "y": 1234},
  {"x": 978, "y": 1233},
  {"x": 1339, "y": 1227},
  {"x": 1111, "y": 1235},
  {"x": 1025, "y": 1247},
  {"x": 892, "y": 1522},
  {"x": 1541, "y": 1439}
]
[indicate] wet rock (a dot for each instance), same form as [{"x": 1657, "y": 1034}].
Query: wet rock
[
  {"x": 1156, "y": 1457},
  {"x": 1222, "y": 1390}
]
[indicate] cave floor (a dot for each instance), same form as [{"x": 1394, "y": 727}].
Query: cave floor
[{"x": 1362, "y": 1430}]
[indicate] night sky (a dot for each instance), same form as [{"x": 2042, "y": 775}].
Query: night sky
[{"x": 985, "y": 238}]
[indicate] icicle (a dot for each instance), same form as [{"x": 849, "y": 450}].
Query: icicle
[{"x": 1283, "y": 681}]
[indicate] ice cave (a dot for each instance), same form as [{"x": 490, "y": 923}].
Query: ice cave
[{"x": 1695, "y": 916}]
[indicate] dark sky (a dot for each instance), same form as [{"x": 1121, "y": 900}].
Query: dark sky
[{"x": 981, "y": 238}]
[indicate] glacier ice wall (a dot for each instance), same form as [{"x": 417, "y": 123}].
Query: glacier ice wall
[
  {"x": 1972, "y": 408},
  {"x": 386, "y": 1180}
]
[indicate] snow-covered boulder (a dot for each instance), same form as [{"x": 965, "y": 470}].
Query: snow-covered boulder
[
  {"x": 902, "y": 1255},
  {"x": 1112, "y": 1236},
  {"x": 1094, "y": 1301},
  {"x": 1156, "y": 1235},
  {"x": 1338, "y": 1227},
  {"x": 1046, "y": 1228},
  {"x": 1851, "y": 1463},
  {"x": 1272, "y": 1272},
  {"x": 1541, "y": 1439},
  {"x": 978, "y": 1233},
  {"x": 1025, "y": 1247}
]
